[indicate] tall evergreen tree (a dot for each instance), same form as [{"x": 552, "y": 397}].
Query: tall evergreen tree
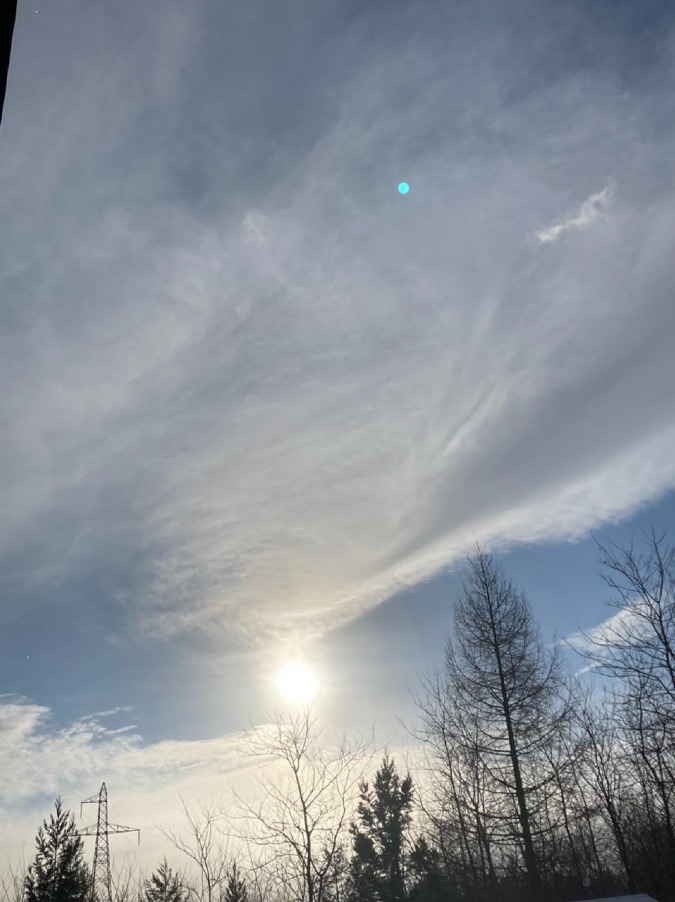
[
  {"x": 164, "y": 886},
  {"x": 58, "y": 873},
  {"x": 380, "y": 836},
  {"x": 235, "y": 886}
]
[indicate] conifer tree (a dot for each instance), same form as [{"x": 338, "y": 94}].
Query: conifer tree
[
  {"x": 235, "y": 887},
  {"x": 428, "y": 882},
  {"x": 164, "y": 886},
  {"x": 380, "y": 836},
  {"x": 58, "y": 872}
]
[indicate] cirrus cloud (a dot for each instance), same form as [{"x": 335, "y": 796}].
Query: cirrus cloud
[{"x": 255, "y": 391}]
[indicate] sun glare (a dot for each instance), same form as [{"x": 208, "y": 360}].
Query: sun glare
[{"x": 297, "y": 683}]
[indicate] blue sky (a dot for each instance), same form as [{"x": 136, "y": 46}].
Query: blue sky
[{"x": 256, "y": 403}]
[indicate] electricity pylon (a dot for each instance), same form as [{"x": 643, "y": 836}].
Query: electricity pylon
[{"x": 101, "y": 886}]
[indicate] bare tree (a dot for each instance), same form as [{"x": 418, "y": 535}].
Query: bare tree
[
  {"x": 126, "y": 881},
  {"x": 13, "y": 883},
  {"x": 572, "y": 853},
  {"x": 456, "y": 804},
  {"x": 206, "y": 846},
  {"x": 512, "y": 700},
  {"x": 606, "y": 778},
  {"x": 637, "y": 647},
  {"x": 638, "y": 644},
  {"x": 307, "y": 787}
]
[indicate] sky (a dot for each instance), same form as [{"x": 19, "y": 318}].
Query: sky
[{"x": 258, "y": 404}]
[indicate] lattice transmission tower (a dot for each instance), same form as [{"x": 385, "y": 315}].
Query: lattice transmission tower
[{"x": 101, "y": 886}]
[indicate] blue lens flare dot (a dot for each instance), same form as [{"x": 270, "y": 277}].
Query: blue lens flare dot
[{"x": 403, "y": 188}]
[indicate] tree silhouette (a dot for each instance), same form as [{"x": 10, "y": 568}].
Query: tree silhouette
[
  {"x": 380, "y": 836},
  {"x": 503, "y": 700},
  {"x": 235, "y": 886},
  {"x": 204, "y": 845},
  {"x": 58, "y": 872},
  {"x": 637, "y": 648},
  {"x": 164, "y": 886},
  {"x": 307, "y": 786}
]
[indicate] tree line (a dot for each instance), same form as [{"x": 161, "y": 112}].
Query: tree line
[{"x": 533, "y": 785}]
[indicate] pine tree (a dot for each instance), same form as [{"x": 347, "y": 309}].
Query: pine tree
[
  {"x": 164, "y": 886},
  {"x": 58, "y": 872},
  {"x": 235, "y": 887},
  {"x": 429, "y": 882},
  {"x": 380, "y": 836}
]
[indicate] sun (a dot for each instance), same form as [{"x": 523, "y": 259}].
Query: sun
[{"x": 297, "y": 683}]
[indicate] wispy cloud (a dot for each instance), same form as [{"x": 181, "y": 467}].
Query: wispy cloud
[
  {"x": 253, "y": 389},
  {"x": 590, "y": 210},
  {"x": 587, "y": 668},
  {"x": 144, "y": 780},
  {"x": 120, "y": 709},
  {"x": 611, "y": 631}
]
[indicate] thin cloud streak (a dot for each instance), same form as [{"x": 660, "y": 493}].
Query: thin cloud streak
[
  {"x": 630, "y": 620},
  {"x": 590, "y": 210}
]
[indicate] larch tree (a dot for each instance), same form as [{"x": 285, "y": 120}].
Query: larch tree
[{"x": 512, "y": 694}]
